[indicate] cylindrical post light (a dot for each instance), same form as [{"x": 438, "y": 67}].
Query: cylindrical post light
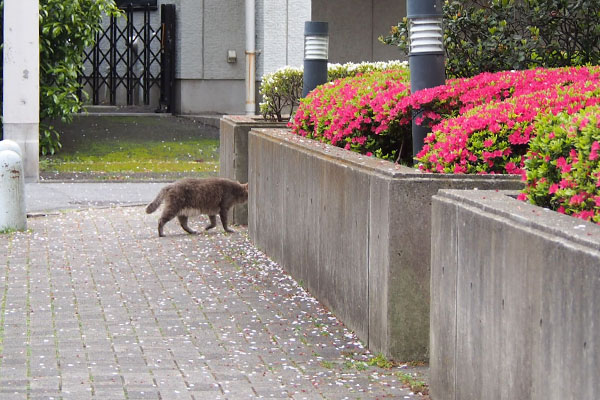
[
  {"x": 426, "y": 56},
  {"x": 316, "y": 55}
]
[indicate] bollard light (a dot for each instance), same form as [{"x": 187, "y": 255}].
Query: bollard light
[
  {"x": 316, "y": 55},
  {"x": 426, "y": 57}
]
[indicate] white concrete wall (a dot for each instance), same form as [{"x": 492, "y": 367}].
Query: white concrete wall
[
  {"x": 21, "y": 60},
  {"x": 281, "y": 33}
]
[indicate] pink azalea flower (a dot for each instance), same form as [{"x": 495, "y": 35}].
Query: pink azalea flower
[{"x": 576, "y": 199}]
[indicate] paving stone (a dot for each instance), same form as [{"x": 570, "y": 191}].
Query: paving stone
[{"x": 117, "y": 312}]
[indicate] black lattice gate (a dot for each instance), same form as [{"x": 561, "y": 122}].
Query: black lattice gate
[{"x": 127, "y": 64}]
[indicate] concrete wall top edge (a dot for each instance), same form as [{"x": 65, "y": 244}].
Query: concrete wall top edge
[
  {"x": 254, "y": 120},
  {"x": 376, "y": 165},
  {"x": 503, "y": 203}
]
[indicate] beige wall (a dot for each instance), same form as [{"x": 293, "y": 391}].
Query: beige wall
[{"x": 355, "y": 25}]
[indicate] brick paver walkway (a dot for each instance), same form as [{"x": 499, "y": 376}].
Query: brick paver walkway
[{"x": 93, "y": 305}]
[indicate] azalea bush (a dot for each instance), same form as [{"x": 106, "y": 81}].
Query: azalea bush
[
  {"x": 281, "y": 90},
  {"x": 353, "y": 113},
  {"x": 563, "y": 164},
  {"x": 479, "y": 125},
  {"x": 484, "y": 124},
  {"x": 543, "y": 124}
]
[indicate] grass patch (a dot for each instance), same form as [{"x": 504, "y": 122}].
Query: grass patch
[
  {"x": 415, "y": 385},
  {"x": 380, "y": 361},
  {"x": 134, "y": 156}
]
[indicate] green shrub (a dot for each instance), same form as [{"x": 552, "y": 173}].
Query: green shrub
[
  {"x": 281, "y": 90},
  {"x": 339, "y": 71},
  {"x": 67, "y": 28},
  {"x": 563, "y": 164},
  {"x": 499, "y": 35}
]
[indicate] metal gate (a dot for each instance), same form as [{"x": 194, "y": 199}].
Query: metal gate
[{"x": 132, "y": 62}]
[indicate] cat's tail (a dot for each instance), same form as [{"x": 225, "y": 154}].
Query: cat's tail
[{"x": 156, "y": 202}]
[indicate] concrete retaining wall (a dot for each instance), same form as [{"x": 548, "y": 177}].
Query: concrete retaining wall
[
  {"x": 354, "y": 230},
  {"x": 514, "y": 305},
  {"x": 233, "y": 153}
]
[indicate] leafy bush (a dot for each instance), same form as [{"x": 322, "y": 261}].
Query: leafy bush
[
  {"x": 353, "y": 113},
  {"x": 563, "y": 164},
  {"x": 486, "y": 122},
  {"x": 67, "y": 28},
  {"x": 281, "y": 90},
  {"x": 499, "y": 35},
  {"x": 339, "y": 71}
]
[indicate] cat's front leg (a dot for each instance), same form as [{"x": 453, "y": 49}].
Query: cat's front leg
[{"x": 223, "y": 215}]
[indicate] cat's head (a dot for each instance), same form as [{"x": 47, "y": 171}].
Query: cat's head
[{"x": 245, "y": 188}]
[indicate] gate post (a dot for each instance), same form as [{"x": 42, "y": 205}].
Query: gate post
[
  {"x": 167, "y": 56},
  {"x": 21, "y": 80}
]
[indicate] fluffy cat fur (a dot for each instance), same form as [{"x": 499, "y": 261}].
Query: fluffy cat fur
[{"x": 189, "y": 197}]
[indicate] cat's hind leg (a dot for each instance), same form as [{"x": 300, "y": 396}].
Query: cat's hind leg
[
  {"x": 183, "y": 221},
  {"x": 164, "y": 218},
  {"x": 213, "y": 222},
  {"x": 223, "y": 215}
]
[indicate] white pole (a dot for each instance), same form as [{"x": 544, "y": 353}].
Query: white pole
[
  {"x": 250, "y": 57},
  {"x": 21, "y": 80}
]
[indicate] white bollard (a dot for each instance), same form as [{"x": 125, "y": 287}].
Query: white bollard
[
  {"x": 12, "y": 192},
  {"x": 11, "y": 145}
]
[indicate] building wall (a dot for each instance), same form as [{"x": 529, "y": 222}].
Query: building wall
[
  {"x": 207, "y": 29},
  {"x": 355, "y": 25},
  {"x": 280, "y": 33}
]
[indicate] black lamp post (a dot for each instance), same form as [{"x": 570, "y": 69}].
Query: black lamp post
[
  {"x": 426, "y": 56},
  {"x": 316, "y": 55}
]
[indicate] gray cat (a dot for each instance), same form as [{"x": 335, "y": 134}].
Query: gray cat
[{"x": 189, "y": 197}]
